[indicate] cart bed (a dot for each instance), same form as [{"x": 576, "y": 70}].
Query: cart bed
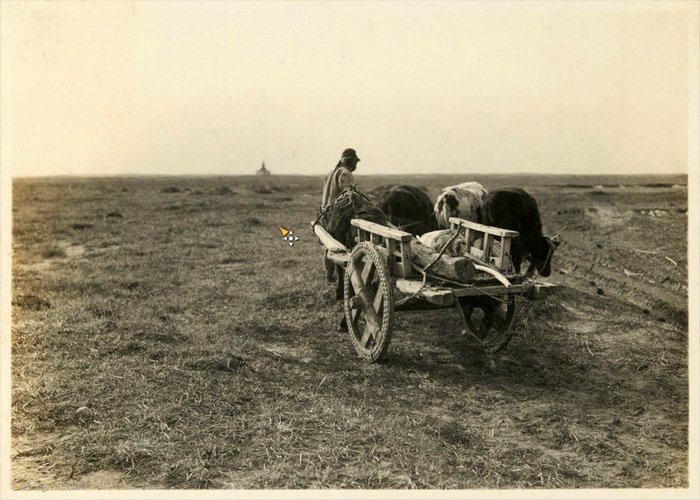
[
  {"x": 380, "y": 266},
  {"x": 445, "y": 294}
]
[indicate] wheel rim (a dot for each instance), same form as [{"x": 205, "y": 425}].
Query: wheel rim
[
  {"x": 490, "y": 323},
  {"x": 368, "y": 303}
]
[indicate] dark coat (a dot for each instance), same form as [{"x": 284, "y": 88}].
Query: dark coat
[
  {"x": 409, "y": 208},
  {"x": 354, "y": 206},
  {"x": 515, "y": 209}
]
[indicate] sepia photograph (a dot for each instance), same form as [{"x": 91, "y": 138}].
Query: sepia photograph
[{"x": 339, "y": 249}]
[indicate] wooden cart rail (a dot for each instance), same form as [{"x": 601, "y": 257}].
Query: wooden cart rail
[
  {"x": 393, "y": 243},
  {"x": 495, "y": 243},
  {"x": 492, "y": 253}
]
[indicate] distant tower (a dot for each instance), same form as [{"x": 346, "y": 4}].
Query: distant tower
[{"x": 263, "y": 170}]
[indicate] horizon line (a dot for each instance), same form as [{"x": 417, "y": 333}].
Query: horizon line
[{"x": 356, "y": 175}]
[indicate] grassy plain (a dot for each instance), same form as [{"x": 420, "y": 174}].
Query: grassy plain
[{"x": 164, "y": 336}]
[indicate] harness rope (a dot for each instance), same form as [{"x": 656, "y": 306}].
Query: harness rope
[
  {"x": 345, "y": 193},
  {"x": 409, "y": 224},
  {"x": 549, "y": 253},
  {"x": 324, "y": 210},
  {"x": 424, "y": 270}
]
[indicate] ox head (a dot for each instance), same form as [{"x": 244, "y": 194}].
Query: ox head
[
  {"x": 446, "y": 207},
  {"x": 542, "y": 258},
  {"x": 456, "y": 201}
]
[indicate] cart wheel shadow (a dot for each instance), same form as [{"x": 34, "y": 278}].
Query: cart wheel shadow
[{"x": 549, "y": 350}]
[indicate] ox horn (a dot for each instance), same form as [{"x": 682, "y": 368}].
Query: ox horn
[{"x": 556, "y": 237}]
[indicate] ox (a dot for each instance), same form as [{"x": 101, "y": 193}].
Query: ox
[
  {"x": 348, "y": 205},
  {"x": 514, "y": 209},
  {"x": 463, "y": 200},
  {"x": 408, "y": 208}
]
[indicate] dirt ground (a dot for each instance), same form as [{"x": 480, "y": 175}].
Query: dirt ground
[{"x": 164, "y": 336}]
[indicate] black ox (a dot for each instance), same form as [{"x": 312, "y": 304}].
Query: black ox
[
  {"x": 409, "y": 208},
  {"x": 514, "y": 209},
  {"x": 349, "y": 205}
]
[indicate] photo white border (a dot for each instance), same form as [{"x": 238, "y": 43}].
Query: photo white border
[{"x": 692, "y": 492}]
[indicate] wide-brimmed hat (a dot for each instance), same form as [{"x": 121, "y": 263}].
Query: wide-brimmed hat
[{"x": 349, "y": 153}]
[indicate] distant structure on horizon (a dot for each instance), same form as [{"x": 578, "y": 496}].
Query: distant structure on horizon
[{"x": 263, "y": 170}]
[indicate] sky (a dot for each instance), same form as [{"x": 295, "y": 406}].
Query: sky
[{"x": 103, "y": 88}]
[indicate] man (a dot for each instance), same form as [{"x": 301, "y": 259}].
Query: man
[
  {"x": 340, "y": 177},
  {"x": 337, "y": 180}
]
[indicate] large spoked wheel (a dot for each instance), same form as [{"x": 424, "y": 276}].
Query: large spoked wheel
[
  {"x": 489, "y": 321},
  {"x": 369, "y": 302}
]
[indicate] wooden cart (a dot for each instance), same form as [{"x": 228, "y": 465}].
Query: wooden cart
[{"x": 381, "y": 278}]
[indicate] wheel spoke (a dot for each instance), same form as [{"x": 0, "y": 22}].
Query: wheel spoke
[
  {"x": 354, "y": 313},
  {"x": 370, "y": 297},
  {"x": 367, "y": 269},
  {"x": 366, "y": 296},
  {"x": 378, "y": 300},
  {"x": 368, "y": 335},
  {"x": 356, "y": 280},
  {"x": 372, "y": 317}
]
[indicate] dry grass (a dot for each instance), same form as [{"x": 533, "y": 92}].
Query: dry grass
[{"x": 183, "y": 344}]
